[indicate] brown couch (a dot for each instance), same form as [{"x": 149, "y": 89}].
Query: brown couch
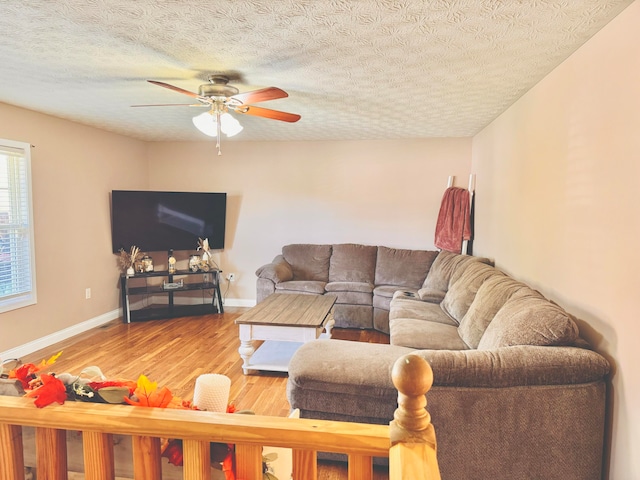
[
  {"x": 517, "y": 394},
  {"x": 363, "y": 277}
]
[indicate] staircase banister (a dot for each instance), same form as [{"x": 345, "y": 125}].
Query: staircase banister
[
  {"x": 323, "y": 435},
  {"x": 413, "y": 438}
]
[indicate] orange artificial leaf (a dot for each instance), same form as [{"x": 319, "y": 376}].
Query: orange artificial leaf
[
  {"x": 51, "y": 390},
  {"x": 46, "y": 363},
  {"x": 148, "y": 395}
]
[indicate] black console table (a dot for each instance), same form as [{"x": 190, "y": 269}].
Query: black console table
[{"x": 138, "y": 294}]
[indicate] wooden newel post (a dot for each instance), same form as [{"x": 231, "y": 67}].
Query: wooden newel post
[{"x": 413, "y": 439}]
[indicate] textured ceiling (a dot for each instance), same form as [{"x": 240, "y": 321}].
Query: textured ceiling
[{"x": 357, "y": 69}]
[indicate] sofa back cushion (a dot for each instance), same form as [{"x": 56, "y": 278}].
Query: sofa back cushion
[
  {"x": 528, "y": 318},
  {"x": 308, "y": 262},
  {"x": 353, "y": 263},
  {"x": 406, "y": 268},
  {"x": 491, "y": 296},
  {"x": 444, "y": 265},
  {"x": 465, "y": 282}
]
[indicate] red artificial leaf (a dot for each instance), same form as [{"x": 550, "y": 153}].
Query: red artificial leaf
[
  {"x": 51, "y": 390},
  {"x": 228, "y": 464},
  {"x": 113, "y": 383},
  {"x": 24, "y": 373},
  {"x": 173, "y": 452}
]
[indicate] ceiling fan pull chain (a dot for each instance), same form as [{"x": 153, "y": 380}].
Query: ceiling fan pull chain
[{"x": 219, "y": 132}]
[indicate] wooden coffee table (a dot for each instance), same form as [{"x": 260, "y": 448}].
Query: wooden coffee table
[{"x": 284, "y": 321}]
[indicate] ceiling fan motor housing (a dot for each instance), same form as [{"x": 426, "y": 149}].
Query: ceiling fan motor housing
[{"x": 217, "y": 88}]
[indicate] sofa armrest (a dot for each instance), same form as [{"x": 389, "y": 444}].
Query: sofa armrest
[
  {"x": 277, "y": 271},
  {"x": 515, "y": 366}
]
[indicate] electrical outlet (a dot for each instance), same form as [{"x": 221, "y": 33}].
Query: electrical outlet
[
  {"x": 231, "y": 277},
  {"x": 87, "y": 293}
]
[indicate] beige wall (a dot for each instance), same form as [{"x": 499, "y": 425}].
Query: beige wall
[
  {"x": 383, "y": 192},
  {"x": 74, "y": 168},
  {"x": 558, "y": 177}
]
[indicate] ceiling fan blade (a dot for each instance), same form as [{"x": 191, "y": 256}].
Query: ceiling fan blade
[
  {"x": 175, "y": 89},
  {"x": 262, "y": 95},
  {"x": 174, "y": 105},
  {"x": 267, "y": 113}
]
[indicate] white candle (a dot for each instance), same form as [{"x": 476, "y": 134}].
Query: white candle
[{"x": 212, "y": 392}]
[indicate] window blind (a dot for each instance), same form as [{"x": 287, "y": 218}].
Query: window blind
[{"x": 17, "y": 265}]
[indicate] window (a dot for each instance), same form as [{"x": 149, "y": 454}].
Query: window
[{"x": 17, "y": 258}]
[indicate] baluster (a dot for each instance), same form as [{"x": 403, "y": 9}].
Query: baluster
[
  {"x": 249, "y": 462},
  {"x": 98, "y": 456},
  {"x": 360, "y": 467},
  {"x": 51, "y": 453},
  {"x": 196, "y": 460},
  {"x": 305, "y": 464},
  {"x": 146, "y": 458},
  {"x": 11, "y": 453},
  {"x": 412, "y": 455}
]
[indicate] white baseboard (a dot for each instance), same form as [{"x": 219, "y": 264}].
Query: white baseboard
[
  {"x": 60, "y": 335},
  {"x": 69, "y": 332},
  {"x": 239, "y": 302}
]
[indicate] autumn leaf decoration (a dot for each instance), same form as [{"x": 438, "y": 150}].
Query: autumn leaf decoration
[
  {"x": 27, "y": 372},
  {"x": 51, "y": 390},
  {"x": 148, "y": 395}
]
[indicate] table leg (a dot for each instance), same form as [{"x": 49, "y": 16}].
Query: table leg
[
  {"x": 246, "y": 349},
  {"x": 328, "y": 326}
]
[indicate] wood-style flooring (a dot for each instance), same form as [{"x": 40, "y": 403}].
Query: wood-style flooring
[{"x": 174, "y": 352}]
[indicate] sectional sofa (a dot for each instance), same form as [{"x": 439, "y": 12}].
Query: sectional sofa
[
  {"x": 517, "y": 393},
  {"x": 363, "y": 277}
]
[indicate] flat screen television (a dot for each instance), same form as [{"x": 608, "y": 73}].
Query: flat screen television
[{"x": 160, "y": 221}]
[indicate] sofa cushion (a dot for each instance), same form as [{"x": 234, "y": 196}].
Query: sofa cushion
[
  {"x": 308, "y": 262},
  {"x": 353, "y": 263},
  {"x": 403, "y": 267},
  {"x": 277, "y": 271},
  {"x": 529, "y": 319},
  {"x": 443, "y": 266},
  {"x": 427, "y": 294},
  {"x": 465, "y": 282},
  {"x": 354, "y": 298},
  {"x": 349, "y": 287},
  {"x": 491, "y": 296},
  {"x": 422, "y": 311},
  {"x": 352, "y": 293},
  {"x": 332, "y": 383},
  {"x": 414, "y": 333},
  {"x": 301, "y": 286}
]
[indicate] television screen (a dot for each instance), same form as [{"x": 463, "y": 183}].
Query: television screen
[{"x": 159, "y": 221}]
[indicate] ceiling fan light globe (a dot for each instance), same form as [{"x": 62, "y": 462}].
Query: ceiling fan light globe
[
  {"x": 229, "y": 125},
  {"x": 206, "y": 123}
]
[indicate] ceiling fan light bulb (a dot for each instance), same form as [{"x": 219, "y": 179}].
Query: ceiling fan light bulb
[{"x": 206, "y": 123}]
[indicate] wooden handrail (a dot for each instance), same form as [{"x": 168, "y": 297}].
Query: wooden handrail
[{"x": 411, "y": 437}]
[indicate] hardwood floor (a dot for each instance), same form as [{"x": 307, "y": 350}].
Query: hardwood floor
[{"x": 174, "y": 352}]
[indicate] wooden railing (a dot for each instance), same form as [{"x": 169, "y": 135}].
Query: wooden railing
[{"x": 409, "y": 441}]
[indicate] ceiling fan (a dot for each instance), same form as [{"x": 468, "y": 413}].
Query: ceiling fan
[{"x": 222, "y": 98}]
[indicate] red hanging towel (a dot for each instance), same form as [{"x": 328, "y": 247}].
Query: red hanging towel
[{"x": 454, "y": 220}]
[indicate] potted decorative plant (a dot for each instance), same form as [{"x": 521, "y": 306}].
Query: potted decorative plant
[{"x": 128, "y": 260}]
